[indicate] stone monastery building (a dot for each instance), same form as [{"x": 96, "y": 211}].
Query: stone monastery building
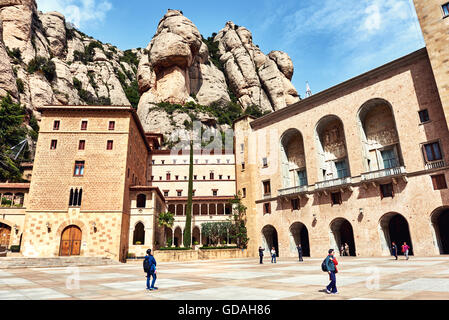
[{"x": 364, "y": 163}]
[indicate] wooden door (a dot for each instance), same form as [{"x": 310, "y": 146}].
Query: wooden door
[
  {"x": 70, "y": 241},
  {"x": 5, "y": 234}
]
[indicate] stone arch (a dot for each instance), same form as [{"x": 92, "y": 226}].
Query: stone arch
[
  {"x": 331, "y": 148},
  {"x": 394, "y": 228},
  {"x": 299, "y": 235},
  {"x": 293, "y": 160},
  {"x": 270, "y": 239},
  {"x": 379, "y": 136},
  {"x": 439, "y": 220},
  {"x": 196, "y": 231},
  {"x": 341, "y": 232},
  {"x": 139, "y": 233},
  {"x": 177, "y": 240}
]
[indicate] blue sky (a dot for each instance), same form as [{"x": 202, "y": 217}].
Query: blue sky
[{"x": 329, "y": 41}]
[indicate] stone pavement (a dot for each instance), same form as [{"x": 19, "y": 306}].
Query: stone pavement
[{"x": 241, "y": 279}]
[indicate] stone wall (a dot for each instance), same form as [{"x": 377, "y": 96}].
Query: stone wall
[{"x": 189, "y": 255}]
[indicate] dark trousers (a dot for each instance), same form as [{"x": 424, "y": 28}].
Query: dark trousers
[
  {"x": 261, "y": 258},
  {"x": 300, "y": 256},
  {"x": 149, "y": 274},
  {"x": 332, "y": 287}
]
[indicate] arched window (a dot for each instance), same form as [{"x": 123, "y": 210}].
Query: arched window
[
  {"x": 75, "y": 197},
  {"x": 141, "y": 200},
  {"x": 139, "y": 234}
]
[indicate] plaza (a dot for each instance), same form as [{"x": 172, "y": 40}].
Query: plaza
[{"x": 379, "y": 278}]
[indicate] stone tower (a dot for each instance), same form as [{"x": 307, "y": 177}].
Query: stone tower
[{"x": 433, "y": 17}]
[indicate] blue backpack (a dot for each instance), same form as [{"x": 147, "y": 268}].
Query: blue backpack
[{"x": 323, "y": 265}]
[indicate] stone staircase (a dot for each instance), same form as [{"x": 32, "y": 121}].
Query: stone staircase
[{"x": 22, "y": 262}]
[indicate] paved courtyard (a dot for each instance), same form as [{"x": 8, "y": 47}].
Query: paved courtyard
[{"x": 358, "y": 278}]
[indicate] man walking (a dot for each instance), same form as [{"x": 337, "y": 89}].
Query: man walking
[
  {"x": 330, "y": 263},
  {"x": 149, "y": 266},
  {"x": 261, "y": 250},
  {"x": 394, "y": 250},
  {"x": 405, "y": 249},
  {"x": 273, "y": 255},
  {"x": 299, "y": 252}
]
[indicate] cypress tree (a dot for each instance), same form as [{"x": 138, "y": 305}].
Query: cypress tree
[{"x": 187, "y": 230}]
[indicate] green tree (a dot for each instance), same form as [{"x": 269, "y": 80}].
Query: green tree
[
  {"x": 238, "y": 232},
  {"x": 166, "y": 220},
  {"x": 188, "y": 226},
  {"x": 12, "y": 132}
]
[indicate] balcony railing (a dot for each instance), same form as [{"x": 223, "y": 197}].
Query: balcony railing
[
  {"x": 332, "y": 183},
  {"x": 292, "y": 190},
  {"x": 435, "y": 164},
  {"x": 383, "y": 173}
]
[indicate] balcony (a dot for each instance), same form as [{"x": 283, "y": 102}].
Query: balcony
[
  {"x": 292, "y": 190},
  {"x": 384, "y": 173},
  {"x": 334, "y": 183},
  {"x": 435, "y": 164}
]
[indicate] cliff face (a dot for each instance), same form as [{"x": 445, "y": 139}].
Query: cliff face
[{"x": 43, "y": 60}]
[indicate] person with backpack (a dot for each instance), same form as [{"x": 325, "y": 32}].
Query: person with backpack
[
  {"x": 273, "y": 255},
  {"x": 394, "y": 250},
  {"x": 149, "y": 267},
  {"x": 329, "y": 266},
  {"x": 405, "y": 249},
  {"x": 261, "y": 250}
]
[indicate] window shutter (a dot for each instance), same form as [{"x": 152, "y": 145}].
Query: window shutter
[{"x": 434, "y": 182}]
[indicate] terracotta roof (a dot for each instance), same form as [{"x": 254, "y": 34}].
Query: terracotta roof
[
  {"x": 148, "y": 188},
  {"x": 14, "y": 185}
]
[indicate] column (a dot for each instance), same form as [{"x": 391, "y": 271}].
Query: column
[
  {"x": 173, "y": 237},
  {"x": 182, "y": 238}
]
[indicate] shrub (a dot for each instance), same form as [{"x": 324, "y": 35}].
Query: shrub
[
  {"x": 77, "y": 84},
  {"x": 44, "y": 65},
  {"x": 20, "y": 85},
  {"x": 173, "y": 248},
  {"x": 130, "y": 58},
  {"x": 15, "y": 54}
]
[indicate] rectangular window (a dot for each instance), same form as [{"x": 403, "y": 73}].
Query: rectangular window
[
  {"x": 389, "y": 158},
  {"x": 265, "y": 162},
  {"x": 111, "y": 125},
  {"x": 176, "y": 177},
  {"x": 243, "y": 165},
  {"x": 432, "y": 151},
  {"x": 194, "y": 177},
  {"x": 445, "y": 10},
  {"x": 423, "y": 115},
  {"x": 302, "y": 178},
  {"x": 242, "y": 147},
  {"x": 336, "y": 198},
  {"x": 342, "y": 171},
  {"x": 165, "y": 193},
  {"x": 167, "y": 176},
  {"x": 152, "y": 178},
  {"x": 81, "y": 144},
  {"x": 56, "y": 125},
  {"x": 79, "y": 168},
  {"x": 109, "y": 145},
  {"x": 386, "y": 190},
  {"x": 53, "y": 144},
  {"x": 295, "y": 204},
  {"x": 179, "y": 192},
  {"x": 75, "y": 197},
  {"x": 152, "y": 161},
  {"x": 214, "y": 192},
  {"x": 244, "y": 192},
  {"x": 220, "y": 176},
  {"x": 211, "y": 175},
  {"x": 218, "y": 161},
  {"x": 84, "y": 125},
  {"x": 267, "y": 208},
  {"x": 266, "y": 187},
  {"x": 439, "y": 182}
]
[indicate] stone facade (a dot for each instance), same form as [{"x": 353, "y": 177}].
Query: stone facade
[{"x": 340, "y": 134}]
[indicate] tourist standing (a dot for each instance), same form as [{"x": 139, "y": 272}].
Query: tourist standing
[
  {"x": 347, "y": 249},
  {"x": 273, "y": 255},
  {"x": 149, "y": 266},
  {"x": 261, "y": 250},
  {"x": 342, "y": 250},
  {"x": 299, "y": 252},
  {"x": 405, "y": 249},
  {"x": 394, "y": 250},
  {"x": 330, "y": 263}
]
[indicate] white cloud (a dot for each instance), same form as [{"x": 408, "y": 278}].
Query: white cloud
[
  {"x": 78, "y": 12},
  {"x": 373, "y": 19}
]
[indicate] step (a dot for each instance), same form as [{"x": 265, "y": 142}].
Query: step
[{"x": 23, "y": 262}]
